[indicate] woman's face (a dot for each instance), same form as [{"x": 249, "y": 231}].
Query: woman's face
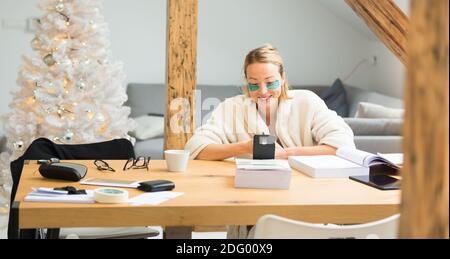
[{"x": 264, "y": 81}]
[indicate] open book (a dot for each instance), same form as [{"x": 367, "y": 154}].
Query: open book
[
  {"x": 367, "y": 159},
  {"x": 347, "y": 162}
]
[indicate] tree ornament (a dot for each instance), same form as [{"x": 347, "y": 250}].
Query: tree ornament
[
  {"x": 36, "y": 44},
  {"x": 89, "y": 114},
  {"x": 49, "y": 60},
  {"x": 93, "y": 25},
  {"x": 81, "y": 85},
  {"x": 60, "y": 7},
  {"x": 100, "y": 117},
  {"x": 18, "y": 145},
  {"x": 66, "y": 82},
  {"x": 68, "y": 136}
]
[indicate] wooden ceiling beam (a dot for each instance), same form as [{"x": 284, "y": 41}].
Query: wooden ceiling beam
[{"x": 387, "y": 21}]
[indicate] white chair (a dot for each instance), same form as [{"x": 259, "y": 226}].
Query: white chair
[{"x": 275, "y": 227}]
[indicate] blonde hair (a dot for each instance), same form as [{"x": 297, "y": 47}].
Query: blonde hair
[{"x": 267, "y": 54}]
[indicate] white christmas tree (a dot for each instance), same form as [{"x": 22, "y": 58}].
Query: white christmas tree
[{"x": 71, "y": 91}]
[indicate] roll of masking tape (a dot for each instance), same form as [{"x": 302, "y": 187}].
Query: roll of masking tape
[{"x": 110, "y": 195}]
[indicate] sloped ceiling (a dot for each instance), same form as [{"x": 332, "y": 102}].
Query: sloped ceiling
[{"x": 345, "y": 13}]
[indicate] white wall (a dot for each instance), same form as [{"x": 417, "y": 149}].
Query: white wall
[
  {"x": 405, "y": 5},
  {"x": 317, "y": 45},
  {"x": 389, "y": 76},
  {"x": 13, "y": 44}
]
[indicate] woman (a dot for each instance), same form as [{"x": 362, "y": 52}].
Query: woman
[{"x": 299, "y": 119}]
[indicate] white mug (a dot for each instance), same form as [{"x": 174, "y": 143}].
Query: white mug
[{"x": 176, "y": 160}]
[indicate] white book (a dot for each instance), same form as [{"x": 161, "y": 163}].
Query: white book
[
  {"x": 347, "y": 162},
  {"x": 262, "y": 174}
]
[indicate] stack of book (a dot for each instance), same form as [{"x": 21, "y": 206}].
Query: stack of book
[{"x": 262, "y": 174}]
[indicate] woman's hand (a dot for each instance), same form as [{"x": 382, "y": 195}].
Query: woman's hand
[
  {"x": 281, "y": 153},
  {"x": 247, "y": 146}
]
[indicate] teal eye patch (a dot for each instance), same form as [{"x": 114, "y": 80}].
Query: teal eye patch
[
  {"x": 253, "y": 87},
  {"x": 274, "y": 85}
]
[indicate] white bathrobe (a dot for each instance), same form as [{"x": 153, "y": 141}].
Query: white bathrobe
[{"x": 302, "y": 121}]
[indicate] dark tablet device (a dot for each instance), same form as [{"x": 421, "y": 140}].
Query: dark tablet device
[{"x": 382, "y": 182}]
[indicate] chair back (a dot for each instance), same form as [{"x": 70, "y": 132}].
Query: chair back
[
  {"x": 275, "y": 227},
  {"x": 42, "y": 148}
]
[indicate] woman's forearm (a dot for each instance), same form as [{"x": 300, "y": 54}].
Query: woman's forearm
[
  {"x": 215, "y": 152},
  {"x": 311, "y": 151}
]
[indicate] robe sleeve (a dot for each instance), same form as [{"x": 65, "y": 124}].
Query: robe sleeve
[
  {"x": 212, "y": 132},
  {"x": 328, "y": 128}
]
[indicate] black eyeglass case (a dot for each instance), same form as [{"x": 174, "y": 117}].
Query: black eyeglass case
[
  {"x": 63, "y": 171},
  {"x": 156, "y": 186}
]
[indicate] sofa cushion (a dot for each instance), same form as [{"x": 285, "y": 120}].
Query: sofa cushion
[
  {"x": 375, "y": 127},
  {"x": 335, "y": 98},
  {"x": 146, "y": 98},
  {"x": 148, "y": 127},
  {"x": 373, "y": 111},
  {"x": 356, "y": 95}
]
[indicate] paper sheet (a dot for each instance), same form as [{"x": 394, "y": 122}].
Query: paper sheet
[{"x": 153, "y": 198}]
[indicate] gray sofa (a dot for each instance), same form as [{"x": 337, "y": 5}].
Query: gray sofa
[
  {"x": 150, "y": 99},
  {"x": 371, "y": 135}
]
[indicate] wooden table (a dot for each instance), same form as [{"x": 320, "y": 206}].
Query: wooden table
[{"x": 209, "y": 199}]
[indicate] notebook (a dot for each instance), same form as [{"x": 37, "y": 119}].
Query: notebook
[{"x": 347, "y": 162}]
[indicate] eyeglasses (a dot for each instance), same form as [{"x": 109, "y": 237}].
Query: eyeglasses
[
  {"x": 103, "y": 166},
  {"x": 137, "y": 163}
]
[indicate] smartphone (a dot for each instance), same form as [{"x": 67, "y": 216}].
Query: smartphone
[
  {"x": 382, "y": 182},
  {"x": 264, "y": 147}
]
